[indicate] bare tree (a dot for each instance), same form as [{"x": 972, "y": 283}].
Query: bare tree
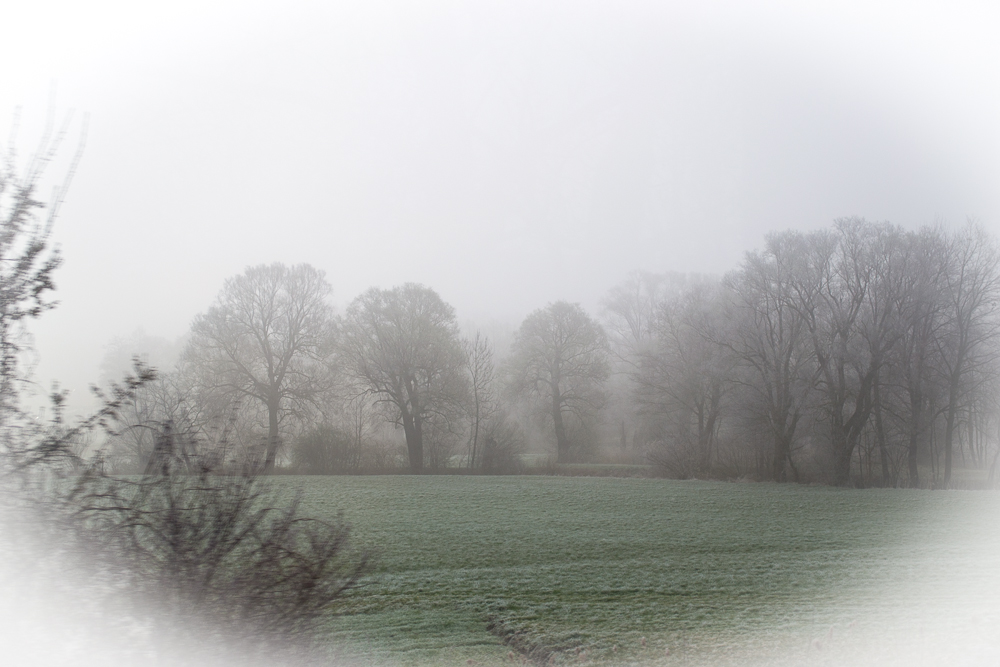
[
  {"x": 631, "y": 310},
  {"x": 684, "y": 374},
  {"x": 130, "y": 448},
  {"x": 972, "y": 289},
  {"x": 402, "y": 345},
  {"x": 848, "y": 297},
  {"x": 770, "y": 339},
  {"x": 561, "y": 354},
  {"x": 479, "y": 361},
  {"x": 268, "y": 338},
  {"x": 629, "y": 314},
  {"x": 913, "y": 360},
  {"x": 359, "y": 414}
]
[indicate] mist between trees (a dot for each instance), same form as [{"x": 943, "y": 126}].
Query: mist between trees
[{"x": 863, "y": 354}]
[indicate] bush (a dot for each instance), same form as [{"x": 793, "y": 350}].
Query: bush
[
  {"x": 224, "y": 553},
  {"x": 677, "y": 459},
  {"x": 326, "y": 450},
  {"x": 209, "y": 563},
  {"x": 502, "y": 447}
]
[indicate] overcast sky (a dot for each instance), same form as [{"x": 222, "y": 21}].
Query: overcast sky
[{"x": 506, "y": 154}]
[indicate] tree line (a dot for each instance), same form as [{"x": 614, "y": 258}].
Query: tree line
[
  {"x": 860, "y": 354},
  {"x": 863, "y": 354}
]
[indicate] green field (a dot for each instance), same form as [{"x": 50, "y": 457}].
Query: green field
[{"x": 715, "y": 573}]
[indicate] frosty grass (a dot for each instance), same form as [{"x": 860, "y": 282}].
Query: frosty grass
[{"x": 644, "y": 571}]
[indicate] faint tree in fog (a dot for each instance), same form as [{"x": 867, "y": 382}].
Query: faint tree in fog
[
  {"x": 495, "y": 441},
  {"x": 561, "y": 354},
  {"x": 683, "y": 375},
  {"x": 268, "y": 338},
  {"x": 360, "y": 414},
  {"x": 402, "y": 345},
  {"x": 884, "y": 327},
  {"x": 629, "y": 312}
]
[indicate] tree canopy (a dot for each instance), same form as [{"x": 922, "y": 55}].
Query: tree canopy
[{"x": 402, "y": 345}]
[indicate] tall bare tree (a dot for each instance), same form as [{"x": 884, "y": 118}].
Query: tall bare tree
[
  {"x": 561, "y": 354},
  {"x": 685, "y": 372},
  {"x": 629, "y": 315},
  {"x": 402, "y": 345},
  {"x": 972, "y": 289},
  {"x": 914, "y": 360},
  {"x": 770, "y": 340},
  {"x": 483, "y": 406},
  {"x": 268, "y": 338},
  {"x": 848, "y": 296}
]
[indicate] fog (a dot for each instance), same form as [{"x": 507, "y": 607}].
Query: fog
[{"x": 505, "y": 154}]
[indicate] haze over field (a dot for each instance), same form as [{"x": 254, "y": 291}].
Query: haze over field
[{"x": 505, "y": 154}]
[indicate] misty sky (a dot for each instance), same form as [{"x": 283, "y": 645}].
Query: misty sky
[{"x": 506, "y": 154}]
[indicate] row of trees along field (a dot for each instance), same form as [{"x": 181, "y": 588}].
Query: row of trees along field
[{"x": 862, "y": 354}]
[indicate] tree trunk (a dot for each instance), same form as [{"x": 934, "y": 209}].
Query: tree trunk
[
  {"x": 782, "y": 445},
  {"x": 414, "y": 442},
  {"x": 783, "y": 435},
  {"x": 916, "y": 417},
  {"x": 883, "y": 452},
  {"x": 705, "y": 447},
  {"x": 707, "y": 436},
  {"x": 993, "y": 466},
  {"x": 842, "y": 452},
  {"x": 949, "y": 432},
  {"x": 562, "y": 443},
  {"x": 272, "y": 436},
  {"x": 846, "y": 434},
  {"x": 473, "y": 451},
  {"x": 842, "y": 467}
]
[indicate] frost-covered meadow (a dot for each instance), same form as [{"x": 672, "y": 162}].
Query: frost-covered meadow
[{"x": 619, "y": 571}]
